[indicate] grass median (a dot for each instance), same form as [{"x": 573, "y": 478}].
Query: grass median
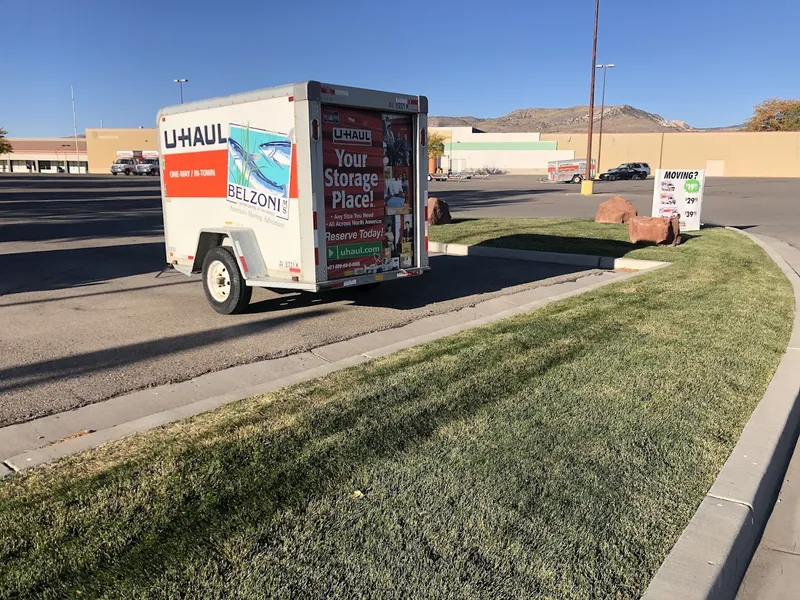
[{"x": 557, "y": 454}]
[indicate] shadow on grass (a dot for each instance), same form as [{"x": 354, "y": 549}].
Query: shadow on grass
[
  {"x": 248, "y": 480},
  {"x": 615, "y": 248}
]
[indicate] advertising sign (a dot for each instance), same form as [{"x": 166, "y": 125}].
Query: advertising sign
[
  {"x": 259, "y": 169},
  {"x": 679, "y": 193},
  {"x": 368, "y": 180}
]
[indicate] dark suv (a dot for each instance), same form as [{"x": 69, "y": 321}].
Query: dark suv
[{"x": 642, "y": 167}]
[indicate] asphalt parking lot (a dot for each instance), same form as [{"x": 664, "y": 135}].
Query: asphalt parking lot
[
  {"x": 83, "y": 316},
  {"x": 767, "y": 206}
]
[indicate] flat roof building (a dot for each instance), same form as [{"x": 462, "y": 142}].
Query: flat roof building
[{"x": 45, "y": 155}]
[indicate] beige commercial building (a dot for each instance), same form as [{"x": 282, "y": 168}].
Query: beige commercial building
[
  {"x": 103, "y": 145},
  {"x": 725, "y": 153},
  {"x": 729, "y": 154}
]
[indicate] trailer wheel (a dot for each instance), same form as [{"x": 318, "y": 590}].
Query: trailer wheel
[
  {"x": 225, "y": 288},
  {"x": 577, "y": 179}
]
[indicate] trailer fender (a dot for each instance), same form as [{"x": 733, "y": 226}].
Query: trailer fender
[{"x": 244, "y": 245}]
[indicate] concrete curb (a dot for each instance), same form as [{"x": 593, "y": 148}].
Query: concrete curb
[
  {"x": 205, "y": 393},
  {"x": 580, "y": 260},
  {"x": 712, "y": 554}
]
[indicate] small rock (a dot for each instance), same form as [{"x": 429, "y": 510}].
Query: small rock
[
  {"x": 656, "y": 230},
  {"x": 357, "y": 495},
  {"x": 438, "y": 212},
  {"x": 615, "y": 210}
]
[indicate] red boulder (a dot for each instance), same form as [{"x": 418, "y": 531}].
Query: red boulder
[
  {"x": 615, "y": 210},
  {"x": 438, "y": 212},
  {"x": 655, "y": 230}
]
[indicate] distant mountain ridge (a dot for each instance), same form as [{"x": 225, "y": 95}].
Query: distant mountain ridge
[{"x": 575, "y": 119}]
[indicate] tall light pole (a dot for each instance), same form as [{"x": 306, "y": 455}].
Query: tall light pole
[
  {"x": 602, "y": 109},
  {"x": 180, "y": 82},
  {"x": 588, "y": 174},
  {"x": 75, "y": 131}
]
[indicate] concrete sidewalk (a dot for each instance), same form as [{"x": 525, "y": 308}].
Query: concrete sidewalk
[{"x": 774, "y": 572}]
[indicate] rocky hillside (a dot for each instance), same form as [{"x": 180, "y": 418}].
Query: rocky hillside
[{"x": 619, "y": 119}]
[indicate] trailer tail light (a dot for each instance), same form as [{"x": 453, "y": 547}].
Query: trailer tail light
[
  {"x": 291, "y": 98},
  {"x": 314, "y": 129},
  {"x": 422, "y": 137}
]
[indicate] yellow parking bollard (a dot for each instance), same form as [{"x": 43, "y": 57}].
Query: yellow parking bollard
[{"x": 587, "y": 187}]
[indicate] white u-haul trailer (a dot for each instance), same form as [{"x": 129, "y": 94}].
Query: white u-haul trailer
[{"x": 309, "y": 186}]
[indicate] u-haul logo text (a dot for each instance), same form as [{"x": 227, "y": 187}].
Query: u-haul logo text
[
  {"x": 355, "y": 137},
  {"x": 207, "y": 135}
]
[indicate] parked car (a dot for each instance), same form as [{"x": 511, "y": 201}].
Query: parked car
[
  {"x": 123, "y": 165},
  {"x": 149, "y": 166},
  {"x": 642, "y": 167},
  {"x": 621, "y": 173},
  {"x": 437, "y": 176}
]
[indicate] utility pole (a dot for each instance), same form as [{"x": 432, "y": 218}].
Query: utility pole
[
  {"x": 602, "y": 110},
  {"x": 587, "y": 190}
]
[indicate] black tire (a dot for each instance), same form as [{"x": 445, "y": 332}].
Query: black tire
[
  {"x": 238, "y": 296},
  {"x": 114, "y": 173},
  {"x": 643, "y": 176},
  {"x": 576, "y": 179}
]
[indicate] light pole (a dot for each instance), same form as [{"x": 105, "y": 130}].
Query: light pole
[
  {"x": 180, "y": 82},
  {"x": 602, "y": 109},
  {"x": 587, "y": 189},
  {"x": 450, "y": 158}
]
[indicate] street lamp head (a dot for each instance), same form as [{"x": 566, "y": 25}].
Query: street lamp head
[
  {"x": 608, "y": 66},
  {"x": 180, "y": 80}
]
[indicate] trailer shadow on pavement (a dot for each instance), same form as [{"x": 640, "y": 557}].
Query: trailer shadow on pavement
[{"x": 118, "y": 335}]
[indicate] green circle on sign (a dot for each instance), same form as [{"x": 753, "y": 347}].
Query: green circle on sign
[{"x": 691, "y": 186}]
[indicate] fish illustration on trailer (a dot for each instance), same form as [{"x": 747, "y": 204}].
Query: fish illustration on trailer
[
  {"x": 246, "y": 164},
  {"x": 278, "y": 153}
]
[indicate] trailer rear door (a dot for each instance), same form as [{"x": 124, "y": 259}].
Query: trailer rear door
[{"x": 371, "y": 212}]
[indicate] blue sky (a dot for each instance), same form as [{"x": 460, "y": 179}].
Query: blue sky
[{"x": 705, "y": 62}]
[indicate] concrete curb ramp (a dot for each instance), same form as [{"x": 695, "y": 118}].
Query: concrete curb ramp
[
  {"x": 26, "y": 445},
  {"x": 579, "y": 260},
  {"x": 712, "y": 554}
]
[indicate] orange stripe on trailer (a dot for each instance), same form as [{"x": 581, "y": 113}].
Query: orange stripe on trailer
[
  {"x": 293, "y": 193},
  {"x": 196, "y": 174}
]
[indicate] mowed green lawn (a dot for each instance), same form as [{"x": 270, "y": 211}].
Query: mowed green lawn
[{"x": 558, "y": 454}]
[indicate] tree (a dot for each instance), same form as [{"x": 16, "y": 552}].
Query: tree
[
  {"x": 5, "y": 146},
  {"x": 436, "y": 144},
  {"x": 775, "y": 114}
]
